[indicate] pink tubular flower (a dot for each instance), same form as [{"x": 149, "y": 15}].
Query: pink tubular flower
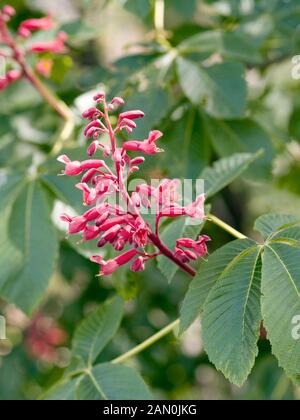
[
  {"x": 140, "y": 236},
  {"x": 117, "y": 101},
  {"x": 137, "y": 161},
  {"x": 196, "y": 209},
  {"x": 92, "y": 149},
  {"x": 93, "y": 124},
  {"x": 111, "y": 234},
  {"x": 8, "y": 10},
  {"x": 13, "y": 75},
  {"x": 99, "y": 97},
  {"x": 181, "y": 255},
  {"x": 76, "y": 224},
  {"x": 72, "y": 168},
  {"x": 89, "y": 194},
  {"x": 201, "y": 247},
  {"x": 147, "y": 146},
  {"x": 195, "y": 249},
  {"x": 44, "y": 67},
  {"x": 92, "y": 114},
  {"x": 138, "y": 265},
  {"x": 167, "y": 194},
  {"x": 57, "y": 46},
  {"x": 110, "y": 266},
  {"x": 131, "y": 115},
  {"x": 129, "y": 125},
  {"x": 75, "y": 168},
  {"x": 29, "y": 25},
  {"x": 10, "y": 77},
  {"x": 90, "y": 233}
]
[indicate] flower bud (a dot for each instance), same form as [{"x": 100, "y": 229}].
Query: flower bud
[{"x": 138, "y": 265}]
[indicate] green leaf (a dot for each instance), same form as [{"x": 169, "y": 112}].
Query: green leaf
[
  {"x": 186, "y": 134},
  {"x": 230, "y": 45},
  {"x": 225, "y": 171},
  {"x": 141, "y": 8},
  {"x": 186, "y": 9},
  {"x": 206, "y": 278},
  {"x": 112, "y": 382},
  {"x": 10, "y": 185},
  {"x": 11, "y": 256},
  {"x": 79, "y": 32},
  {"x": 281, "y": 303},
  {"x": 220, "y": 89},
  {"x": 242, "y": 136},
  {"x": 232, "y": 317},
  {"x": 275, "y": 224},
  {"x": 96, "y": 330},
  {"x": 155, "y": 103},
  {"x": 245, "y": 136},
  {"x": 63, "y": 188},
  {"x": 31, "y": 232},
  {"x": 176, "y": 229},
  {"x": 63, "y": 391}
]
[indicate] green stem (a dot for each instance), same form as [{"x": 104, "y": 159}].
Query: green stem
[
  {"x": 226, "y": 227},
  {"x": 159, "y": 23},
  {"x": 159, "y": 16},
  {"x": 147, "y": 343}
]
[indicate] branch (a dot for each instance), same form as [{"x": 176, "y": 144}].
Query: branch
[{"x": 169, "y": 254}]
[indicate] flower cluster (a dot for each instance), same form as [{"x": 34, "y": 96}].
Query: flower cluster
[
  {"x": 115, "y": 216},
  {"x": 43, "y": 338},
  {"x": 16, "y": 49}
]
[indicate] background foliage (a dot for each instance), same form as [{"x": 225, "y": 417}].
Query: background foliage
[{"x": 219, "y": 81}]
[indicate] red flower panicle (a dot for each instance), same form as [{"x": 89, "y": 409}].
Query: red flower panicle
[
  {"x": 17, "y": 51},
  {"x": 43, "y": 338},
  {"x": 115, "y": 216}
]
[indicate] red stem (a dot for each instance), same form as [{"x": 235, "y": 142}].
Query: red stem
[{"x": 169, "y": 254}]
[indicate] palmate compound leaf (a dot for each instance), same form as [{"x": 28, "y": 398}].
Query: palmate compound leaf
[
  {"x": 30, "y": 231},
  {"x": 105, "y": 381},
  {"x": 96, "y": 330},
  {"x": 207, "y": 277},
  {"x": 276, "y": 225},
  {"x": 281, "y": 304},
  {"x": 232, "y": 316}
]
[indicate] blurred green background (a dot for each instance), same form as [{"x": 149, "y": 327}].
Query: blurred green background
[{"x": 122, "y": 45}]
